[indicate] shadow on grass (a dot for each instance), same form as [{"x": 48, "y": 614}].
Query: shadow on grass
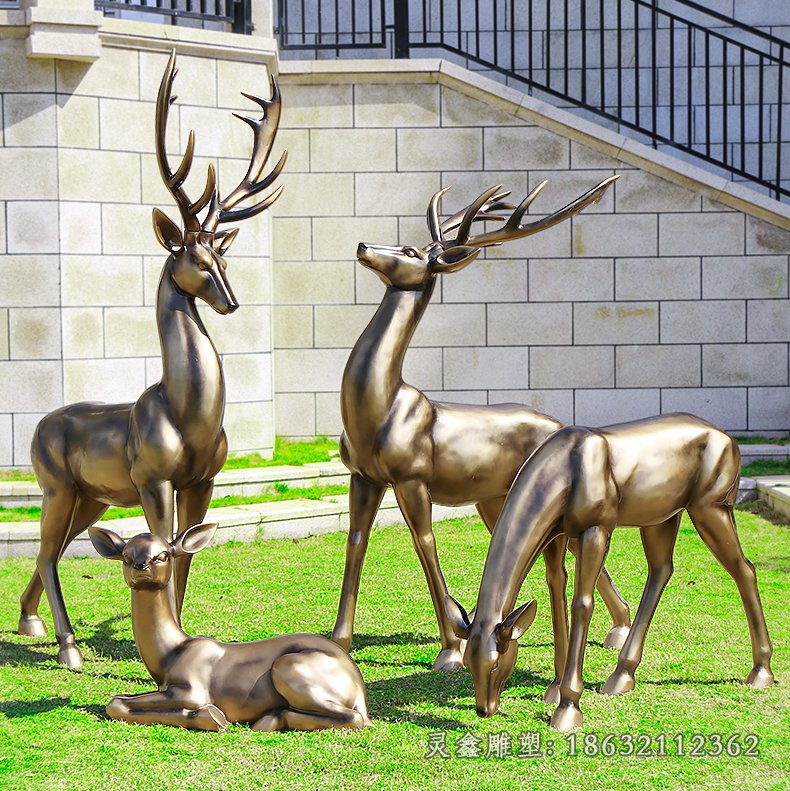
[
  {"x": 104, "y": 642},
  {"x": 20, "y": 654},
  {"x": 30, "y": 708},
  {"x": 400, "y": 638}
]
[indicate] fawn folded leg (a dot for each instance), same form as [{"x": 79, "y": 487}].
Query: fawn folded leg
[
  {"x": 364, "y": 501},
  {"x": 415, "y": 504},
  {"x": 162, "y": 708},
  {"x": 716, "y": 527},
  {"x": 659, "y": 543},
  {"x": 592, "y": 547}
]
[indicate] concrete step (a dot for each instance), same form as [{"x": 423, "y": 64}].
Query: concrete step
[
  {"x": 255, "y": 522},
  {"x": 774, "y": 491},
  {"x": 241, "y": 483}
]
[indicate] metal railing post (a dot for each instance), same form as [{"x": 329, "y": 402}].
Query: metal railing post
[{"x": 401, "y": 24}]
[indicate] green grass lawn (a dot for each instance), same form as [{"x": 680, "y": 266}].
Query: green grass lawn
[{"x": 53, "y": 732}]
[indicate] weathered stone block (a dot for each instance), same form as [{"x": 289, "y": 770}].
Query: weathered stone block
[
  {"x": 525, "y": 148},
  {"x": 113, "y": 279},
  {"x": 315, "y": 195},
  {"x": 526, "y": 324},
  {"x": 78, "y": 121},
  {"x": 571, "y": 367},
  {"x": 318, "y": 370},
  {"x": 604, "y": 407},
  {"x": 751, "y": 364},
  {"x": 32, "y": 227},
  {"x": 725, "y": 407},
  {"x": 744, "y": 277},
  {"x": 657, "y": 278},
  {"x": 440, "y": 149},
  {"x": 397, "y": 106},
  {"x": 248, "y": 377},
  {"x": 36, "y": 278},
  {"x": 658, "y": 366},
  {"x": 28, "y": 173},
  {"x": 293, "y": 326},
  {"x": 611, "y": 322},
  {"x": 80, "y": 227},
  {"x": 112, "y": 381},
  {"x": 486, "y": 280},
  {"x": 640, "y": 191},
  {"x": 85, "y": 175},
  {"x": 768, "y": 409},
  {"x": 295, "y": 414},
  {"x": 352, "y": 150},
  {"x": 29, "y": 119},
  {"x": 337, "y": 238},
  {"x": 722, "y": 321},
  {"x": 619, "y": 235},
  {"x": 486, "y": 367},
  {"x": 83, "y": 333},
  {"x": 701, "y": 234},
  {"x": 339, "y": 326},
  {"x": 762, "y": 237},
  {"x": 28, "y": 386},
  {"x": 34, "y": 333},
  {"x": 393, "y": 193},
  {"x": 571, "y": 280},
  {"x": 130, "y": 332},
  {"x": 314, "y": 106},
  {"x": 319, "y": 282}
]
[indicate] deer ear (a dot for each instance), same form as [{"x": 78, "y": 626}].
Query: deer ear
[
  {"x": 108, "y": 544},
  {"x": 224, "y": 240},
  {"x": 459, "y": 620},
  {"x": 194, "y": 539},
  {"x": 454, "y": 258},
  {"x": 517, "y": 622},
  {"x": 167, "y": 232}
]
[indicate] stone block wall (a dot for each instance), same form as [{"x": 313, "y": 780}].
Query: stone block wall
[
  {"x": 79, "y": 262},
  {"x": 663, "y": 297}
]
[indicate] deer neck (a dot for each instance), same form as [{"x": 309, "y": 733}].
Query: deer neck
[
  {"x": 522, "y": 530},
  {"x": 157, "y": 634},
  {"x": 192, "y": 380},
  {"x": 373, "y": 374}
]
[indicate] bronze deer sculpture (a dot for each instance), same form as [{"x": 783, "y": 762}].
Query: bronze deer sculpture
[
  {"x": 580, "y": 484},
  {"x": 88, "y": 456},
  {"x": 429, "y": 451},
  {"x": 292, "y": 682}
]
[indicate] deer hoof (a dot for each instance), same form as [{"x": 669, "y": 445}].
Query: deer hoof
[
  {"x": 70, "y": 656},
  {"x": 448, "y": 661},
  {"x": 209, "y": 718},
  {"x": 31, "y": 626},
  {"x": 270, "y": 722},
  {"x": 567, "y": 718},
  {"x": 615, "y": 638},
  {"x": 552, "y": 694},
  {"x": 619, "y": 683},
  {"x": 760, "y": 678}
]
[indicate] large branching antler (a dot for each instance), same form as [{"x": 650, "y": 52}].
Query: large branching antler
[
  {"x": 174, "y": 181},
  {"x": 264, "y": 129},
  {"x": 488, "y": 206}
]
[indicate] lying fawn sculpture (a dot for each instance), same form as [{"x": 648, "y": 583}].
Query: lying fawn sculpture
[
  {"x": 294, "y": 682},
  {"x": 581, "y": 483},
  {"x": 89, "y": 456},
  {"x": 429, "y": 451}
]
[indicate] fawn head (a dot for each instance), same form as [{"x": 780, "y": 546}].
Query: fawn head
[
  {"x": 197, "y": 264},
  {"x": 148, "y": 559},
  {"x": 453, "y": 246},
  {"x": 491, "y": 651}
]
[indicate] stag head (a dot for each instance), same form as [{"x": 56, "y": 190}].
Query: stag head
[
  {"x": 197, "y": 265},
  {"x": 453, "y": 246}
]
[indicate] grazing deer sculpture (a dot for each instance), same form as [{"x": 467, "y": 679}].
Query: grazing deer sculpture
[
  {"x": 88, "y": 456},
  {"x": 580, "y": 484},
  {"x": 294, "y": 682},
  {"x": 429, "y": 451}
]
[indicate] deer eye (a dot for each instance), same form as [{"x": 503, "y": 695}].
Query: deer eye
[
  {"x": 161, "y": 557},
  {"x": 411, "y": 252}
]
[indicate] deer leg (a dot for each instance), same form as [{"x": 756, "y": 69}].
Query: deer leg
[
  {"x": 615, "y": 604},
  {"x": 557, "y": 580},
  {"x": 415, "y": 504},
  {"x": 659, "y": 543},
  {"x": 592, "y": 547},
  {"x": 489, "y": 511},
  {"x": 289, "y": 720},
  {"x": 716, "y": 526},
  {"x": 156, "y": 499},
  {"x": 161, "y": 708},
  {"x": 86, "y": 513},
  {"x": 364, "y": 500},
  {"x": 192, "y": 505}
]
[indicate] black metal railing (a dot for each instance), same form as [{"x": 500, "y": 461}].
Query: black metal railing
[
  {"x": 673, "y": 71},
  {"x": 234, "y": 14}
]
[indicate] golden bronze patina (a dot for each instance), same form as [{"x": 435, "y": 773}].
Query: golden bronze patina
[
  {"x": 170, "y": 442},
  {"x": 428, "y": 451},
  {"x": 580, "y": 484},
  {"x": 296, "y": 682}
]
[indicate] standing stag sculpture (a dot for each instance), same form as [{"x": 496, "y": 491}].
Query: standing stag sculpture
[
  {"x": 293, "y": 682},
  {"x": 580, "y": 484},
  {"x": 170, "y": 442},
  {"x": 428, "y": 451}
]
